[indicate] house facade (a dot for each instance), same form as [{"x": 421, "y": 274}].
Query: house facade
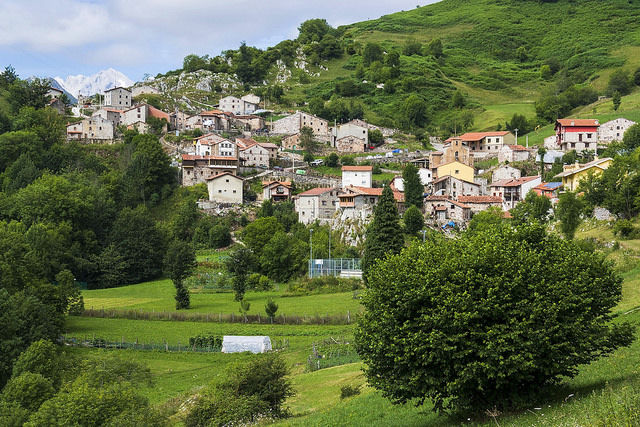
[
  {"x": 93, "y": 130},
  {"x": 316, "y": 204},
  {"x": 442, "y": 209},
  {"x": 225, "y": 188},
  {"x": 196, "y": 169},
  {"x": 119, "y": 98},
  {"x": 235, "y": 105},
  {"x": 142, "y": 113},
  {"x": 357, "y": 176},
  {"x": 454, "y": 187},
  {"x": 480, "y": 203},
  {"x": 294, "y": 123},
  {"x": 254, "y": 155},
  {"x": 277, "y": 191},
  {"x": 513, "y": 153},
  {"x": 577, "y": 134},
  {"x": 613, "y": 130},
  {"x": 351, "y": 144},
  {"x": 352, "y": 129},
  {"x": 111, "y": 114},
  {"x": 456, "y": 169},
  {"x": 357, "y": 203},
  {"x": 484, "y": 143},
  {"x": 572, "y": 175},
  {"x": 505, "y": 172},
  {"x": 215, "y": 145},
  {"x": 548, "y": 189},
  {"x": 513, "y": 191}
]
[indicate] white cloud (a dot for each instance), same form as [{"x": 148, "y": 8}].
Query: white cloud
[{"x": 141, "y": 33}]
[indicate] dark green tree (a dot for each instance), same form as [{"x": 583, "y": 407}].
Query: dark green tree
[
  {"x": 308, "y": 140},
  {"x": 413, "y": 188},
  {"x": 568, "y": 212},
  {"x": 452, "y": 302},
  {"x": 532, "y": 208},
  {"x": 434, "y": 48},
  {"x": 372, "y": 52},
  {"x": 384, "y": 234},
  {"x": 619, "y": 81},
  {"x": 179, "y": 263},
  {"x": 332, "y": 160},
  {"x": 241, "y": 262},
  {"x": 413, "y": 220},
  {"x": 271, "y": 308},
  {"x": 375, "y": 137},
  {"x": 617, "y": 99},
  {"x": 414, "y": 111},
  {"x": 631, "y": 139},
  {"x": 284, "y": 257}
]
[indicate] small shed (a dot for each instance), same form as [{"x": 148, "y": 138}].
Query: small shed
[{"x": 240, "y": 344}]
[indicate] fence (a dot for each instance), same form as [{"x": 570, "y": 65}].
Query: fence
[
  {"x": 331, "y": 352},
  {"x": 97, "y": 342},
  {"x": 344, "y": 267},
  {"x": 182, "y": 316}
]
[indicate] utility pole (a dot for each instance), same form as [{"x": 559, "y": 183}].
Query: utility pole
[{"x": 424, "y": 232}]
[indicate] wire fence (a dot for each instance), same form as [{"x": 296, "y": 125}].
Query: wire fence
[
  {"x": 182, "y": 316},
  {"x": 337, "y": 267},
  {"x": 122, "y": 344},
  {"x": 331, "y": 352}
]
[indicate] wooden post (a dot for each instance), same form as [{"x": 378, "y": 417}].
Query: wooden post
[{"x": 348, "y": 316}]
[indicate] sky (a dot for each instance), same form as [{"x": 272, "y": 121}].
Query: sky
[{"x": 49, "y": 38}]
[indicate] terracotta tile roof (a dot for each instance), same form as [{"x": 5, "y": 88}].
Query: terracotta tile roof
[
  {"x": 479, "y": 199},
  {"x": 578, "y": 122},
  {"x": 316, "y": 191},
  {"x": 477, "y": 136},
  {"x": 367, "y": 191},
  {"x": 435, "y": 198},
  {"x": 548, "y": 186},
  {"x": 513, "y": 182},
  {"x": 267, "y": 145},
  {"x": 212, "y": 177},
  {"x": 158, "y": 114},
  {"x": 195, "y": 157},
  {"x": 276, "y": 183},
  {"x": 446, "y": 199},
  {"x": 357, "y": 168}
]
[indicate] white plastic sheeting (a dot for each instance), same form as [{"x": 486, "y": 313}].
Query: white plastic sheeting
[{"x": 239, "y": 344}]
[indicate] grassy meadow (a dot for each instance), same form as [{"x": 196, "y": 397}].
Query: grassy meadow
[{"x": 606, "y": 392}]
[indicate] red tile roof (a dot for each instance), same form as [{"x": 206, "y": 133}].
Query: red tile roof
[
  {"x": 357, "y": 168},
  {"x": 367, "y": 191},
  {"x": 212, "y": 177},
  {"x": 195, "y": 157},
  {"x": 316, "y": 191},
  {"x": 477, "y": 136},
  {"x": 578, "y": 122},
  {"x": 480, "y": 199},
  {"x": 513, "y": 182},
  {"x": 518, "y": 148}
]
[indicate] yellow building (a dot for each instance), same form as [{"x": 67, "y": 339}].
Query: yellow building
[
  {"x": 457, "y": 170},
  {"x": 573, "y": 174}
]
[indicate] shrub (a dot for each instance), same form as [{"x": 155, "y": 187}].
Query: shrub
[
  {"x": 623, "y": 228},
  {"x": 29, "y": 390},
  {"x": 324, "y": 284},
  {"x": 349, "y": 390},
  {"x": 332, "y": 160},
  {"x": 206, "y": 341},
  {"x": 271, "y": 308},
  {"x": 221, "y": 407},
  {"x": 494, "y": 317}
]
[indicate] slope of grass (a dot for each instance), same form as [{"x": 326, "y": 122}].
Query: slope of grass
[{"x": 159, "y": 296}]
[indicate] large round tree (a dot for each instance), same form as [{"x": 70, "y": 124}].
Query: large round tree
[{"x": 483, "y": 321}]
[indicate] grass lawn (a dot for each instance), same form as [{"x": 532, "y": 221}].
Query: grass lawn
[
  {"x": 500, "y": 114},
  {"x": 159, "y": 296}
]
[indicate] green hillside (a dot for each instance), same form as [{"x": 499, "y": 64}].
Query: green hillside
[{"x": 451, "y": 66}]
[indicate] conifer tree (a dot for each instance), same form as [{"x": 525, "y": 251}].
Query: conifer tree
[
  {"x": 384, "y": 235},
  {"x": 413, "y": 188}
]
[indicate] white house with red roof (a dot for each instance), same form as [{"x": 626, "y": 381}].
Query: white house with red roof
[
  {"x": 358, "y": 202},
  {"x": 513, "y": 191},
  {"x": 225, "y": 188},
  {"x": 577, "y": 134},
  {"x": 277, "y": 191},
  {"x": 142, "y": 113},
  {"x": 215, "y": 145},
  {"x": 316, "y": 204},
  {"x": 482, "y": 143},
  {"x": 357, "y": 176}
]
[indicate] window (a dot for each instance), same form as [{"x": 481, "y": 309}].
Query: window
[
  {"x": 457, "y": 171},
  {"x": 324, "y": 203},
  {"x": 234, "y": 191},
  {"x": 589, "y": 136},
  {"x": 219, "y": 191},
  {"x": 579, "y": 137},
  {"x": 227, "y": 180}
]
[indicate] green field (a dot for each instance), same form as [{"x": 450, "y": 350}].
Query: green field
[
  {"x": 158, "y": 296},
  {"x": 603, "y": 393}
]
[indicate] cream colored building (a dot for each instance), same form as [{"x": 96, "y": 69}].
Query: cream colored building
[
  {"x": 95, "y": 129},
  {"x": 118, "y": 98},
  {"x": 225, "y": 188}
]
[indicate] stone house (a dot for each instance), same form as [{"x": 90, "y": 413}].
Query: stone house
[
  {"x": 353, "y": 129},
  {"x": 249, "y": 122},
  {"x": 480, "y": 203},
  {"x": 276, "y": 191},
  {"x": 271, "y": 148},
  {"x": 442, "y": 209},
  {"x": 358, "y": 176},
  {"x": 351, "y": 144},
  {"x": 484, "y": 143},
  {"x": 294, "y": 123},
  {"x": 119, "y": 98},
  {"x": 505, "y": 172},
  {"x": 139, "y": 126},
  {"x": 195, "y": 169},
  {"x": 92, "y": 130},
  {"x": 142, "y": 113},
  {"x": 111, "y": 114},
  {"x": 316, "y": 204},
  {"x": 577, "y": 134},
  {"x": 235, "y": 105},
  {"x": 215, "y": 145},
  {"x": 291, "y": 142},
  {"x": 573, "y": 174},
  {"x": 251, "y": 98},
  {"x": 513, "y": 153},
  {"x": 254, "y": 155},
  {"x": 613, "y": 130},
  {"x": 453, "y": 187},
  {"x": 357, "y": 203},
  {"x": 209, "y": 121},
  {"x": 513, "y": 191},
  {"x": 386, "y": 132},
  {"x": 177, "y": 120},
  {"x": 225, "y": 188}
]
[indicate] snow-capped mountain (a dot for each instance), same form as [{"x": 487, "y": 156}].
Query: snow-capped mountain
[{"x": 97, "y": 83}]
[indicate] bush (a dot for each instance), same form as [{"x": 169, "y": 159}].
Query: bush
[
  {"x": 623, "y": 228},
  {"x": 259, "y": 282},
  {"x": 206, "y": 341},
  {"x": 29, "y": 390},
  {"x": 332, "y": 160},
  {"x": 220, "y": 407},
  {"x": 349, "y": 390},
  {"x": 323, "y": 285},
  {"x": 453, "y": 303}
]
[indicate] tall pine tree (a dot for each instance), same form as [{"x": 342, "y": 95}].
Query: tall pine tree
[
  {"x": 384, "y": 235},
  {"x": 413, "y": 188}
]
